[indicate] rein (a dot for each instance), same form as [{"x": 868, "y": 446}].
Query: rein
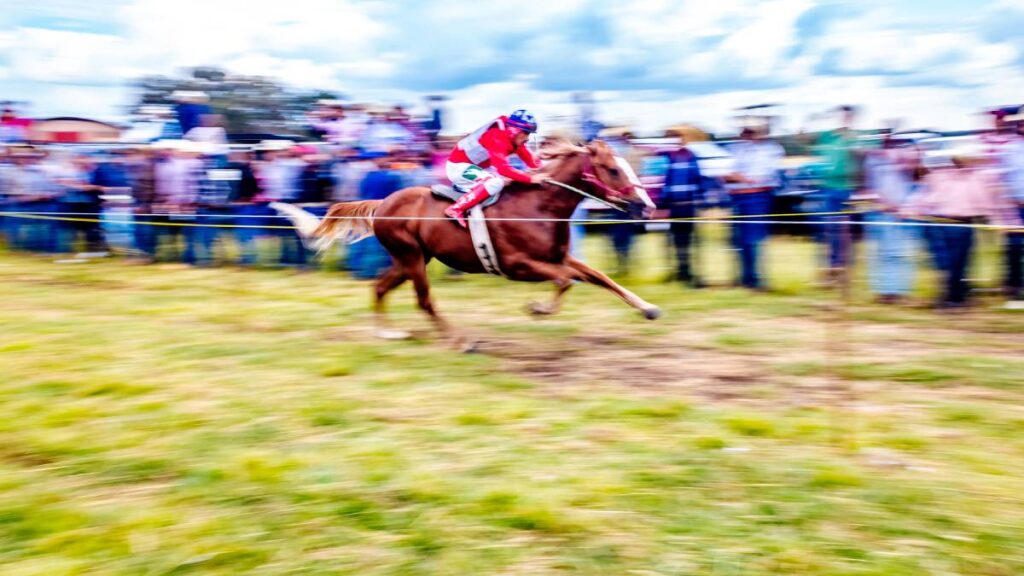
[{"x": 584, "y": 194}]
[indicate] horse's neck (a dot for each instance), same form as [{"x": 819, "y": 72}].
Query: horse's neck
[{"x": 558, "y": 202}]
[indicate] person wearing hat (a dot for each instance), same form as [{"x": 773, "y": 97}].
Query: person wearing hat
[
  {"x": 368, "y": 258},
  {"x": 891, "y": 176},
  {"x": 27, "y": 189},
  {"x": 1004, "y": 148},
  {"x": 837, "y": 152},
  {"x": 1014, "y": 179},
  {"x": 683, "y": 191},
  {"x": 190, "y": 109},
  {"x": 961, "y": 195},
  {"x": 751, "y": 186}
]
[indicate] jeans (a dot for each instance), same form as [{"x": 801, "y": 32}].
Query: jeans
[
  {"x": 683, "y": 234},
  {"x": 28, "y": 233},
  {"x": 956, "y": 244},
  {"x": 152, "y": 231},
  {"x": 248, "y": 216},
  {"x": 206, "y": 235},
  {"x": 891, "y": 255},
  {"x": 833, "y": 233},
  {"x": 576, "y": 234},
  {"x": 748, "y": 235},
  {"x": 67, "y": 233},
  {"x": 1015, "y": 261},
  {"x": 622, "y": 241}
]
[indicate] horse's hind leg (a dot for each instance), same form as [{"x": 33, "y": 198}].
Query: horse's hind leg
[
  {"x": 388, "y": 281},
  {"x": 592, "y": 276}
]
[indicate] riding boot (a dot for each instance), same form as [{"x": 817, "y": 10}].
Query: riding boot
[{"x": 458, "y": 210}]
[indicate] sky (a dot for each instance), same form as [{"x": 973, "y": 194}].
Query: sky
[{"x": 650, "y": 63}]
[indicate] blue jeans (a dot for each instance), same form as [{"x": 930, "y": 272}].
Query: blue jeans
[
  {"x": 1015, "y": 261},
  {"x": 32, "y": 234},
  {"x": 748, "y": 234},
  {"x": 152, "y": 231},
  {"x": 891, "y": 254},
  {"x": 833, "y": 232},
  {"x": 253, "y": 217},
  {"x": 206, "y": 235},
  {"x": 956, "y": 243},
  {"x": 576, "y": 234}
]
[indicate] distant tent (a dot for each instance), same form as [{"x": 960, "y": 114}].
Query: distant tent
[{"x": 69, "y": 129}]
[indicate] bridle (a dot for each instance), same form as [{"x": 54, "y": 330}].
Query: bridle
[{"x": 590, "y": 177}]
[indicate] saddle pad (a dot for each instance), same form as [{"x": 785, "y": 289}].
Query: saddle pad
[
  {"x": 451, "y": 194},
  {"x": 482, "y": 241}
]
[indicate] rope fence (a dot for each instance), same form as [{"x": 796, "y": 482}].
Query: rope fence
[{"x": 769, "y": 219}]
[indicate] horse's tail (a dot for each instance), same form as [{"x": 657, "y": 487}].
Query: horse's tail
[{"x": 345, "y": 222}]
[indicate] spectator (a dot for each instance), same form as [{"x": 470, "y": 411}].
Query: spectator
[
  {"x": 750, "y": 188},
  {"x": 29, "y": 190},
  {"x": 352, "y": 126},
  {"x": 348, "y": 173},
  {"x": 682, "y": 192},
  {"x": 1005, "y": 146},
  {"x": 176, "y": 180},
  {"x": 385, "y": 131},
  {"x": 367, "y": 258},
  {"x": 140, "y": 166},
  {"x": 622, "y": 234},
  {"x": 962, "y": 194},
  {"x": 190, "y": 109},
  {"x": 210, "y": 134},
  {"x": 837, "y": 151},
  {"x": 12, "y": 128},
  {"x": 328, "y": 121},
  {"x": 280, "y": 177},
  {"x": 890, "y": 175}
]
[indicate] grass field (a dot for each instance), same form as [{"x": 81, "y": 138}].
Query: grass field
[{"x": 164, "y": 420}]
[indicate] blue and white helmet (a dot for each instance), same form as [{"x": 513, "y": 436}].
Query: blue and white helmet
[{"x": 523, "y": 120}]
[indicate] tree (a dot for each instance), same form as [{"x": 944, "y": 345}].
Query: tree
[{"x": 248, "y": 103}]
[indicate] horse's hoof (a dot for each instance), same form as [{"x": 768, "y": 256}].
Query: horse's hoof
[
  {"x": 539, "y": 309},
  {"x": 388, "y": 334},
  {"x": 469, "y": 347},
  {"x": 652, "y": 313}
]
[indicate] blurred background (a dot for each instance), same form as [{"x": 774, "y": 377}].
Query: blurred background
[{"x": 838, "y": 247}]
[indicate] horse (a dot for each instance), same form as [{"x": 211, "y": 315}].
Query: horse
[{"x": 529, "y": 229}]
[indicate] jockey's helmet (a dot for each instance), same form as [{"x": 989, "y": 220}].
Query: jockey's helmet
[{"x": 522, "y": 120}]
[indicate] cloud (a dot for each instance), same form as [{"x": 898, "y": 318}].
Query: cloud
[{"x": 643, "y": 53}]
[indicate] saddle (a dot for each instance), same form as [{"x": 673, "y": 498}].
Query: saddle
[
  {"x": 451, "y": 194},
  {"x": 477, "y": 227}
]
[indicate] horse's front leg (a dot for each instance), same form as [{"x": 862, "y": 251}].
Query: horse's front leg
[
  {"x": 592, "y": 276},
  {"x": 416, "y": 270}
]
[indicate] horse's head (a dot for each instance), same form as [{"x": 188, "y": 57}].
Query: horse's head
[{"x": 609, "y": 177}]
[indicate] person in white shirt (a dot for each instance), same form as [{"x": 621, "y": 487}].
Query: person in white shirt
[
  {"x": 751, "y": 186},
  {"x": 211, "y": 135}
]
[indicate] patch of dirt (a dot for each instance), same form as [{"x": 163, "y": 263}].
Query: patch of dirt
[{"x": 593, "y": 361}]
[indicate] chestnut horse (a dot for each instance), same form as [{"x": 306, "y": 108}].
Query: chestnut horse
[{"x": 529, "y": 228}]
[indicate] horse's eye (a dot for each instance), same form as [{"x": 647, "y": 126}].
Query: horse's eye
[{"x": 613, "y": 172}]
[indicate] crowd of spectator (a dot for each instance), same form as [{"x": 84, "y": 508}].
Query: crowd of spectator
[{"x": 194, "y": 175}]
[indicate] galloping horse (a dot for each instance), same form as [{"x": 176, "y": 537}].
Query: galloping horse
[{"x": 529, "y": 228}]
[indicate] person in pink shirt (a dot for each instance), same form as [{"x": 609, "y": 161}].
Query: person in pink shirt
[{"x": 963, "y": 194}]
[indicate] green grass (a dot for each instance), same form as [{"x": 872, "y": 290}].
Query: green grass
[{"x": 159, "y": 420}]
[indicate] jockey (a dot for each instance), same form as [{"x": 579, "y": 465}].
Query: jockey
[{"x": 489, "y": 146}]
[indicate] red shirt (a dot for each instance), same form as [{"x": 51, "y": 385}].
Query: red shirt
[{"x": 499, "y": 146}]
